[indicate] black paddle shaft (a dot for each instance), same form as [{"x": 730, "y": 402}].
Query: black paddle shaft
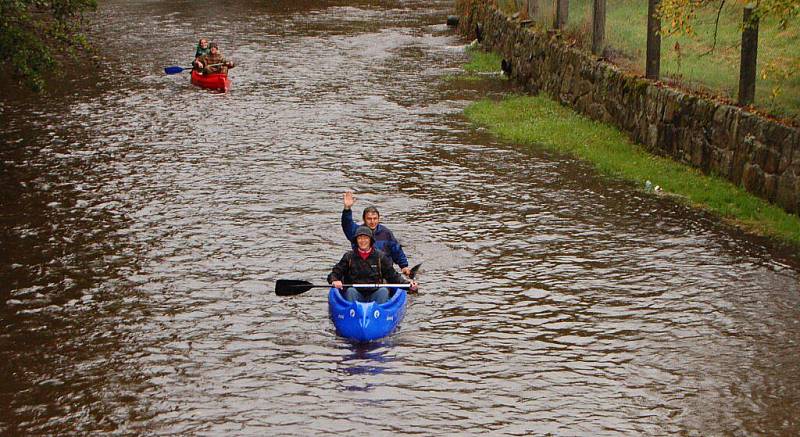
[{"x": 292, "y": 287}]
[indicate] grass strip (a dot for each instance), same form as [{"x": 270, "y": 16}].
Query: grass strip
[
  {"x": 482, "y": 61},
  {"x": 540, "y": 121}
]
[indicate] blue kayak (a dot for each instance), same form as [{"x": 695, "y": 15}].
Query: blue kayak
[{"x": 366, "y": 321}]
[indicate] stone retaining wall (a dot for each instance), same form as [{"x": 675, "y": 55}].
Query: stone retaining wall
[{"x": 756, "y": 153}]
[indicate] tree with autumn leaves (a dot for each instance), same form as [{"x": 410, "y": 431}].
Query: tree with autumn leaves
[
  {"x": 680, "y": 13},
  {"x": 678, "y": 16}
]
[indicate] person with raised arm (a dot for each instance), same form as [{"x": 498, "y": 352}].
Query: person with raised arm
[{"x": 384, "y": 238}]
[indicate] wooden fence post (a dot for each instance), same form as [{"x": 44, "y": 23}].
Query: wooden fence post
[
  {"x": 653, "y": 62},
  {"x": 562, "y": 14},
  {"x": 598, "y": 27},
  {"x": 747, "y": 67}
]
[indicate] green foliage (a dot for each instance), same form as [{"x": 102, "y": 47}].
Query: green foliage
[
  {"x": 539, "y": 121},
  {"x": 36, "y": 34}
]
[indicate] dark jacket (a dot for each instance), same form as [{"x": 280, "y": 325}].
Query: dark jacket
[
  {"x": 377, "y": 268},
  {"x": 384, "y": 239}
]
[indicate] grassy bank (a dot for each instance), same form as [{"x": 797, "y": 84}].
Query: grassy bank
[
  {"x": 541, "y": 122},
  {"x": 481, "y": 61},
  {"x": 696, "y": 62},
  {"x": 481, "y": 65}
]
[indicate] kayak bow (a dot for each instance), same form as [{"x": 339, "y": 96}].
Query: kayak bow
[{"x": 366, "y": 321}]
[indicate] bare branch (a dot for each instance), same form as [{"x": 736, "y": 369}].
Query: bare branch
[{"x": 716, "y": 28}]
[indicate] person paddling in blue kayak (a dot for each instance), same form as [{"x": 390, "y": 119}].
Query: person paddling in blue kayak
[
  {"x": 384, "y": 238},
  {"x": 367, "y": 265}
]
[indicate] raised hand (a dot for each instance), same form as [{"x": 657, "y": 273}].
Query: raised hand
[{"x": 348, "y": 199}]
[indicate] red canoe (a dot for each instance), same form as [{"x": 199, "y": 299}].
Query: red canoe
[{"x": 215, "y": 81}]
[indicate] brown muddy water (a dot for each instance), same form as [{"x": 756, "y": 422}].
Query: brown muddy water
[{"x": 145, "y": 221}]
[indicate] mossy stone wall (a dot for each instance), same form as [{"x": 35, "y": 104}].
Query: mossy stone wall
[{"x": 752, "y": 151}]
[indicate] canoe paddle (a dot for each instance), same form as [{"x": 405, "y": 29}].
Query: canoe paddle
[
  {"x": 175, "y": 69},
  {"x": 291, "y": 287}
]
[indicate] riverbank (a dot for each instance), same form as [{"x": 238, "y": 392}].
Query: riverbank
[
  {"x": 538, "y": 121},
  {"x": 749, "y": 150}
]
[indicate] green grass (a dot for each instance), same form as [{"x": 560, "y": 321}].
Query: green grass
[
  {"x": 539, "y": 121},
  {"x": 482, "y": 61},
  {"x": 686, "y": 59}
]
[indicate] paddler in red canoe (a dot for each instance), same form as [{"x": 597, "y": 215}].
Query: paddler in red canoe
[{"x": 214, "y": 62}]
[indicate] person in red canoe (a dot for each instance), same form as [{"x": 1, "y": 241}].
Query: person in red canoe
[
  {"x": 202, "y": 50},
  {"x": 366, "y": 265},
  {"x": 214, "y": 62}
]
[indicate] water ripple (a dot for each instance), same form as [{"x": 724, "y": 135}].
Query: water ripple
[{"x": 145, "y": 222}]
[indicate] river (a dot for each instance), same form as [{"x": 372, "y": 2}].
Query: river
[{"x": 145, "y": 222}]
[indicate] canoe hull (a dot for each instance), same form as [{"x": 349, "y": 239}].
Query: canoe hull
[
  {"x": 366, "y": 321},
  {"x": 217, "y": 81}
]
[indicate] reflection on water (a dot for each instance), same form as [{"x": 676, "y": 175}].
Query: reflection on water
[
  {"x": 367, "y": 359},
  {"x": 145, "y": 222}
]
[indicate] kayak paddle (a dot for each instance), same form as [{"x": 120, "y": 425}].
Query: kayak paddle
[
  {"x": 414, "y": 271},
  {"x": 292, "y": 287},
  {"x": 175, "y": 69}
]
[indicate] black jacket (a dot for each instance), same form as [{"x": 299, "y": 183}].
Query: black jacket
[{"x": 377, "y": 268}]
